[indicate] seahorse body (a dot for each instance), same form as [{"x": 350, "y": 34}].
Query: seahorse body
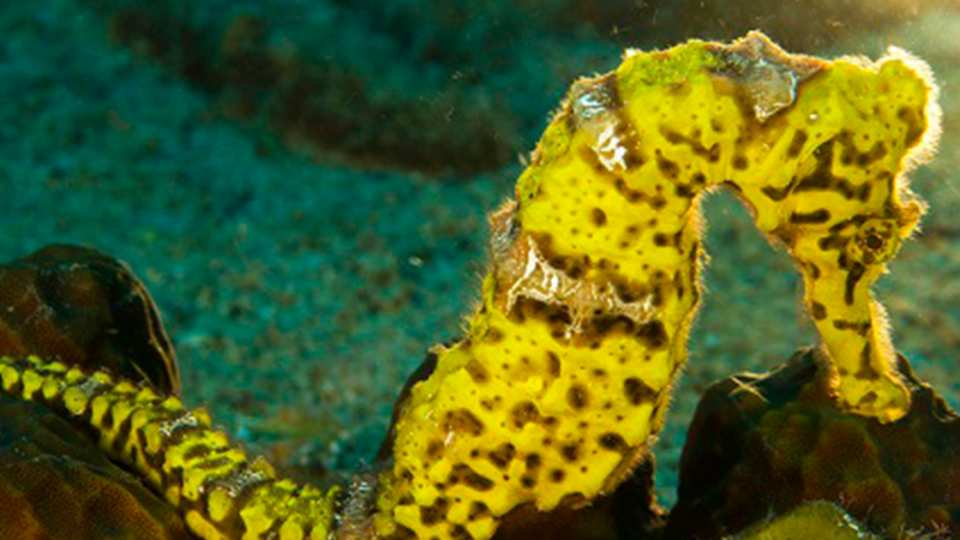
[
  {"x": 565, "y": 372},
  {"x": 563, "y": 378}
]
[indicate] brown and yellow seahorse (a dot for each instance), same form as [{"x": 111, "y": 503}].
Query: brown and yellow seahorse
[{"x": 563, "y": 377}]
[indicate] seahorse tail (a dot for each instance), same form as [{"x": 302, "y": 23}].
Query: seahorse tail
[{"x": 221, "y": 493}]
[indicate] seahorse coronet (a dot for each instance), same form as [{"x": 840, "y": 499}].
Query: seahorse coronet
[{"x": 563, "y": 377}]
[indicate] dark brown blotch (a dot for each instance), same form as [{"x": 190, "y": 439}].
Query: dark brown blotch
[
  {"x": 777, "y": 195},
  {"x": 661, "y": 239},
  {"x": 493, "y": 335},
  {"x": 524, "y": 413},
  {"x": 435, "y": 513},
  {"x": 598, "y": 217},
  {"x": 462, "y": 473},
  {"x": 613, "y": 442},
  {"x": 463, "y": 421},
  {"x": 866, "y": 370},
  {"x": 637, "y": 391},
  {"x": 877, "y": 152},
  {"x": 653, "y": 334},
  {"x": 477, "y": 510},
  {"x": 861, "y": 328},
  {"x": 553, "y": 364},
  {"x": 435, "y": 449},
  {"x": 818, "y": 310},
  {"x": 821, "y": 215},
  {"x": 832, "y": 241},
  {"x": 822, "y": 176},
  {"x": 604, "y": 324},
  {"x": 577, "y": 396},
  {"x": 853, "y": 277},
  {"x": 915, "y": 125},
  {"x": 570, "y": 452},
  {"x": 796, "y": 144},
  {"x": 669, "y": 168},
  {"x": 557, "y": 475},
  {"x": 477, "y": 371},
  {"x": 502, "y": 455}
]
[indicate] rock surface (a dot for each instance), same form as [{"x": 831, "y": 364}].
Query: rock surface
[
  {"x": 818, "y": 519},
  {"x": 56, "y": 484},
  {"x": 761, "y": 445},
  {"x": 86, "y": 309}
]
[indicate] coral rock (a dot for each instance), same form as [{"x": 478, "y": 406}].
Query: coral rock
[
  {"x": 84, "y": 308},
  {"x": 818, "y": 519},
  {"x": 764, "y": 444},
  {"x": 55, "y": 483},
  {"x": 88, "y": 310}
]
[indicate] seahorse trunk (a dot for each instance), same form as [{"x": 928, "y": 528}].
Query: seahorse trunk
[
  {"x": 219, "y": 491},
  {"x": 556, "y": 392},
  {"x": 562, "y": 382}
]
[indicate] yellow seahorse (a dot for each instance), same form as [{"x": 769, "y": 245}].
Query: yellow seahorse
[{"x": 563, "y": 377}]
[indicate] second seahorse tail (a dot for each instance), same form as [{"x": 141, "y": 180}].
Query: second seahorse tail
[{"x": 221, "y": 493}]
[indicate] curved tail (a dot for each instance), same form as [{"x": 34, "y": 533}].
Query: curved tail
[{"x": 219, "y": 490}]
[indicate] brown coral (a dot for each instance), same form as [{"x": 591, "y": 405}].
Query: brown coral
[
  {"x": 762, "y": 444},
  {"x": 87, "y": 309},
  {"x": 56, "y": 484}
]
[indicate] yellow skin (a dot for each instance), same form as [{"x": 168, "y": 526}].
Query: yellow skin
[
  {"x": 563, "y": 378},
  {"x": 564, "y": 375}
]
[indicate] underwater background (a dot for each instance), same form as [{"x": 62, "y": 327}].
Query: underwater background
[{"x": 303, "y": 186}]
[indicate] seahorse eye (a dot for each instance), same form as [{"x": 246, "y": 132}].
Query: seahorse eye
[{"x": 874, "y": 242}]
